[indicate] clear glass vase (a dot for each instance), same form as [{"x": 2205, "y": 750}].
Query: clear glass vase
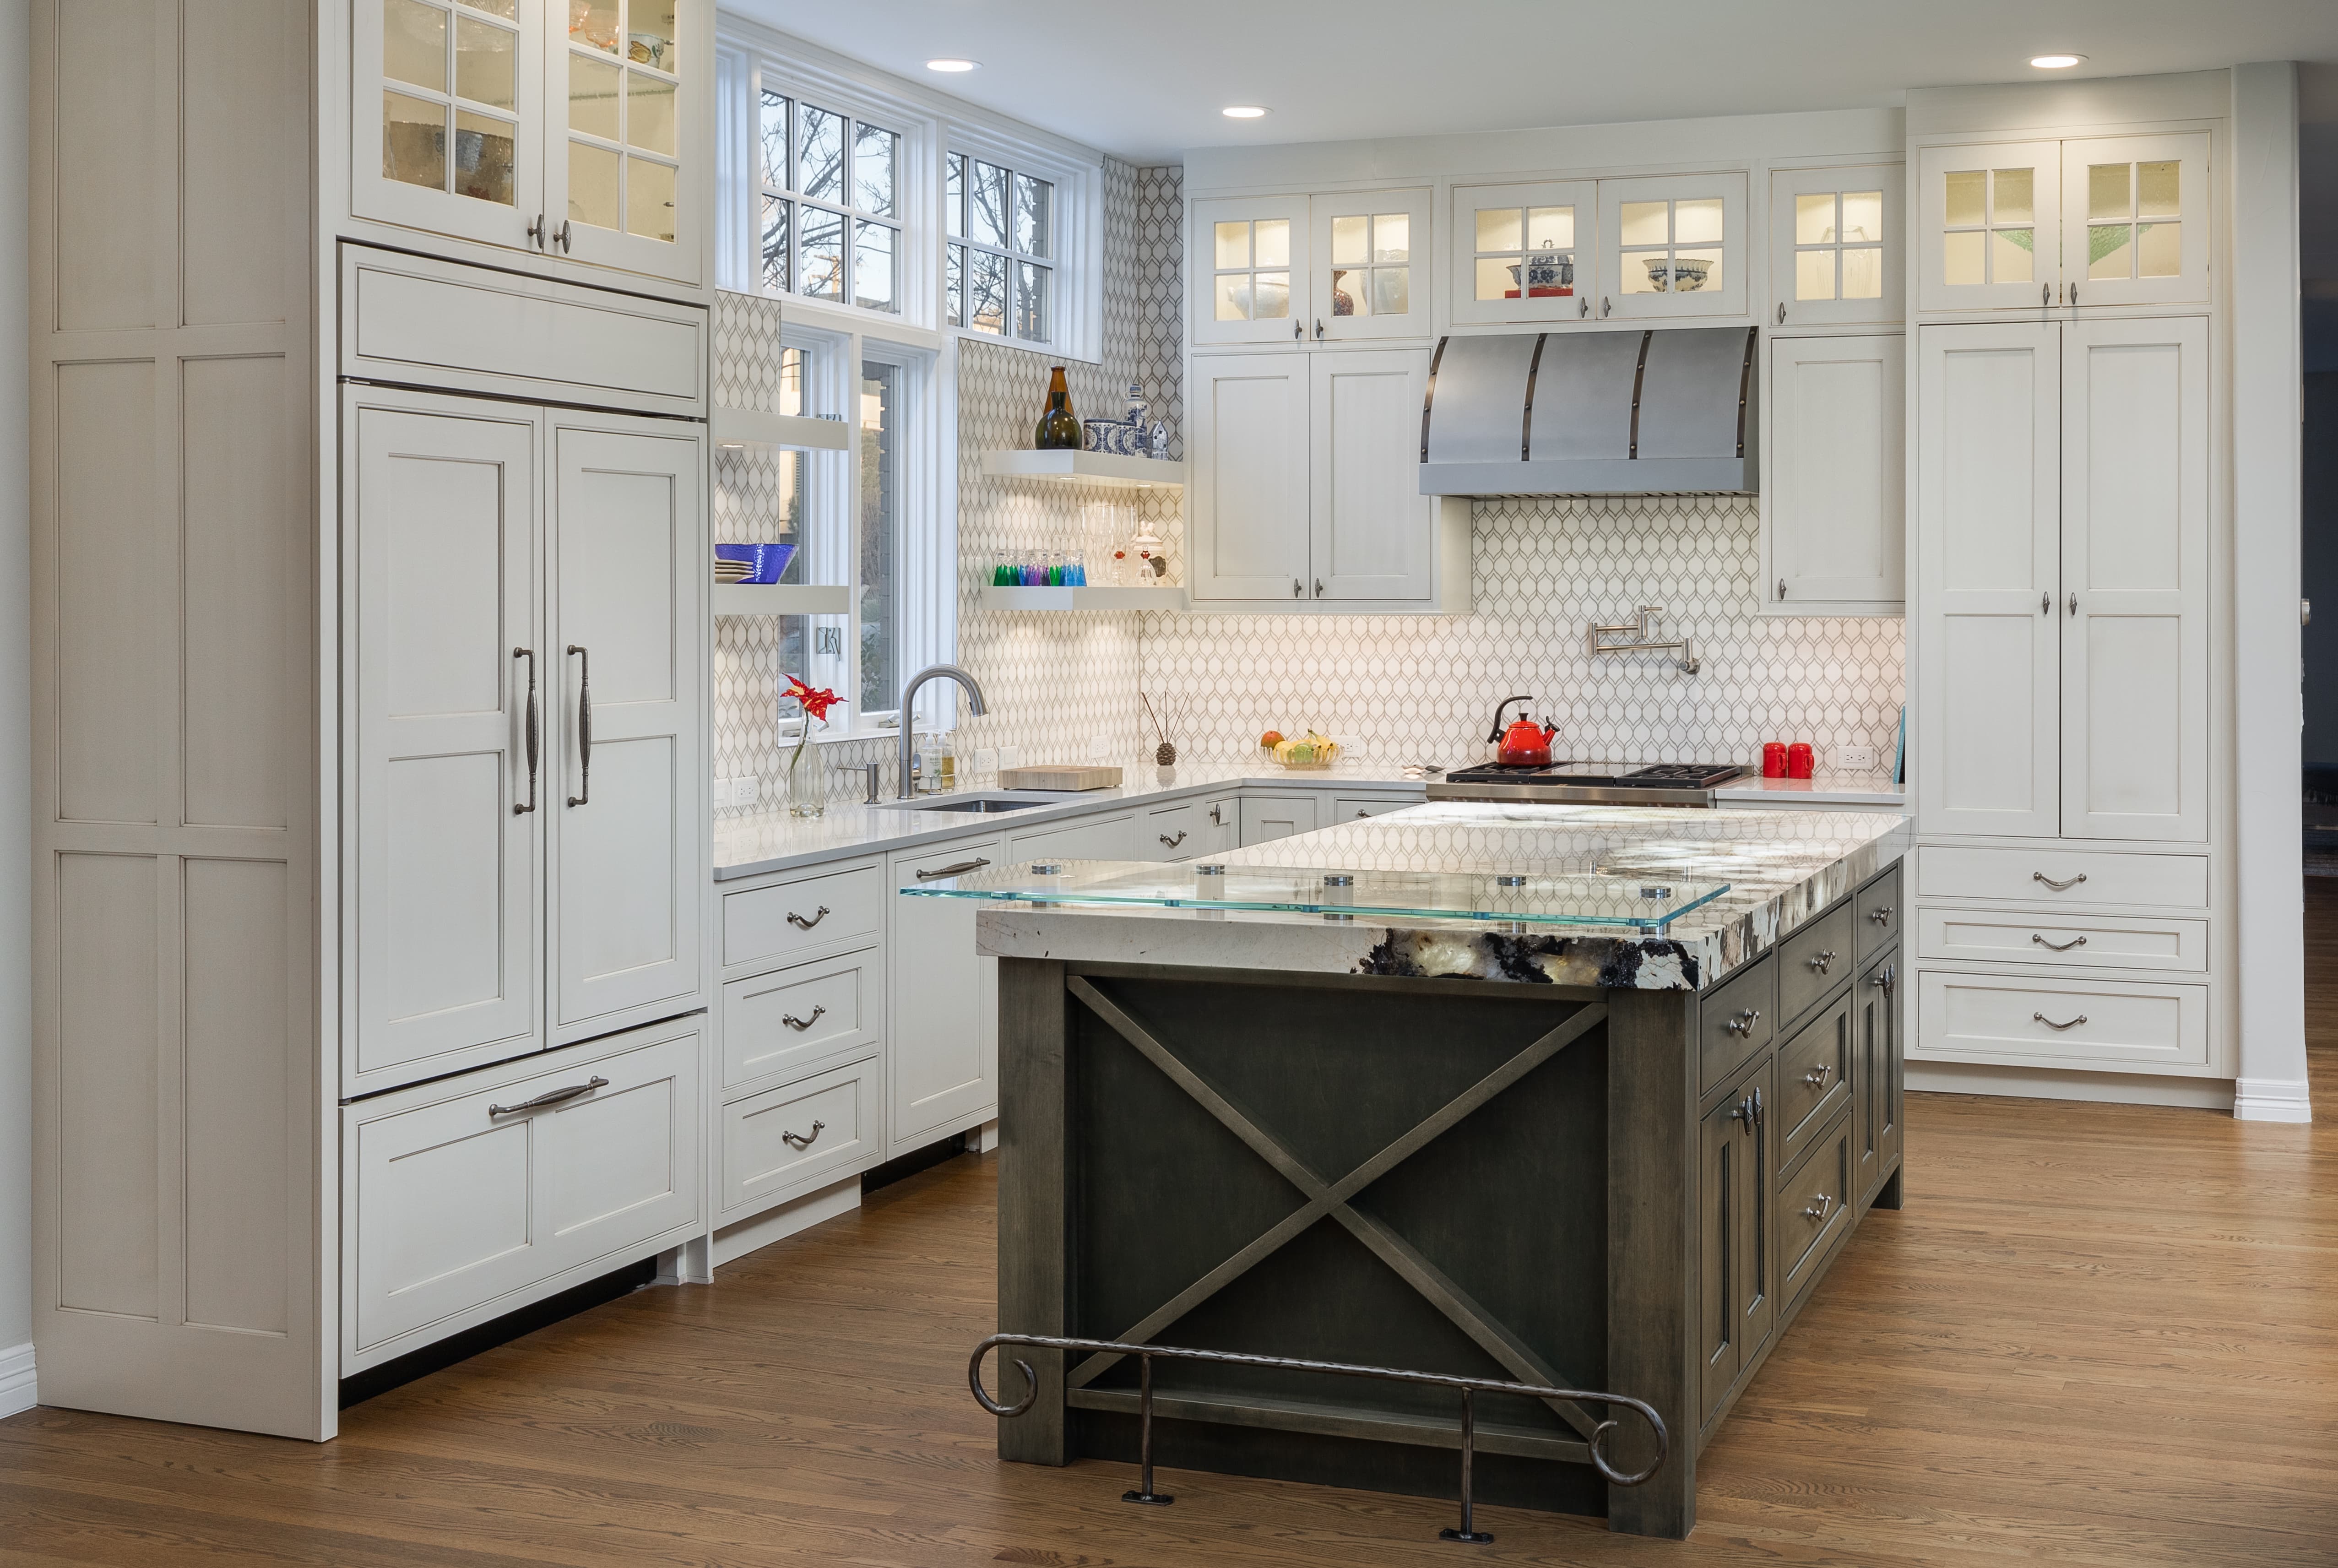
[{"x": 801, "y": 780}]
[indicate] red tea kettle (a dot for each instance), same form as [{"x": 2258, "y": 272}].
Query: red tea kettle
[{"x": 1525, "y": 744}]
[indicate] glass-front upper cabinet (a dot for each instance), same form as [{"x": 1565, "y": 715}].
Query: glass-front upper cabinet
[
  {"x": 1372, "y": 264},
  {"x": 1989, "y": 226},
  {"x": 1672, "y": 245},
  {"x": 628, "y": 170},
  {"x": 2136, "y": 209},
  {"x": 448, "y": 117},
  {"x": 1524, "y": 253},
  {"x": 1249, "y": 271},
  {"x": 1835, "y": 245}
]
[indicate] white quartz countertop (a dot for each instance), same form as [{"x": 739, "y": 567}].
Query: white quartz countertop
[
  {"x": 1864, "y": 791},
  {"x": 1782, "y": 866}
]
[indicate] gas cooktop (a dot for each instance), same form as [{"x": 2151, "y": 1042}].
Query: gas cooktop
[{"x": 1589, "y": 783}]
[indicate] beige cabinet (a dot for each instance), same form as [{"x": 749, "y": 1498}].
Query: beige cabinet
[
  {"x": 1834, "y": 487},
  {"x": 572, "y": 128}
]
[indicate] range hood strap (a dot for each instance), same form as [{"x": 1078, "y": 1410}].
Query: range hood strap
[
  {"x": 1429, "y": 399},
  {"x": 1526, "y": 420},
  {"x": 1744, "y": 382},
  {"x": 1639, "y": 374}
]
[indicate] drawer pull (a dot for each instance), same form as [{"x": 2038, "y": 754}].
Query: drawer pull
[
  {"x": 1880, "y": 916},
  {"x": 1744, "y": 1022},
  {"x": 2057, "y": 947},
  {"x": 802, "y": 1140},
  {"x": 1822, "y": 961},
  {"x": 549, "y": 1097},
  {"x": 1817, "y": 1212},
  {"x": 960, "y": 868},
  {"x": 2058, "y": 886},
  {"x": 792, "y": 1022},
  {"x": 2049, "y": 1023},
  {"x": 1173, "y": 843},
  {"x": 1887, "y": 981},
  {"x": 800, "y": 924},
  {"x": 1819, "y": 1075}
]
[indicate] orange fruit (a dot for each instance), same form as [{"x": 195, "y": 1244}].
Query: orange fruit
[{"x": 1271, "y": 738}]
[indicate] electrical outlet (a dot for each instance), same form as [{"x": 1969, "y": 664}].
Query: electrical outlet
[
  {"x": 743, "y": 792},
  {"x": 1855, "y": 758},
  {"x": 986, "y": 762},
  {"x": 1099, "y": 749}
]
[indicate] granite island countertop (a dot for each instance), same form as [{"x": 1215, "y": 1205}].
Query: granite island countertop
[{"x": 1782, "y": 867}]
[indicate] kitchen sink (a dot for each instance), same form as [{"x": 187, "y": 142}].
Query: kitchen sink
[{"x": 987, "y": 805}]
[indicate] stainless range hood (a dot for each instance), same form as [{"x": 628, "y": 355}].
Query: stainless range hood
[{"x": 1667, "y": 410}]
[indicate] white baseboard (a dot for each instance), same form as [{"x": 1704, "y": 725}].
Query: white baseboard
[
  {"x": 2271, "y": 1100},
  {"x": 16, "y": 1390},
  {"x": 2059, "y": 1083},
  {"x": 989, "y": 1140},
  {"x": 777, "y": 1224}
]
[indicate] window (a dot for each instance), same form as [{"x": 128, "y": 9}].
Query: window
[
  {"x": 1000, "y": 277},
  {"x": 830, "y": 204},
  {"x": 878, "y": 542}
]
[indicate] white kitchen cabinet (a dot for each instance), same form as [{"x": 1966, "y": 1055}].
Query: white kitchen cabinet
[
  {"x": 1371, "y": 266},
  {"x": 626, "y": 614},
  {"x": 572, "y": 128},
  {"x": 1524, "y": 253},
  {"x": 1370, "y": 531},
  {"x": 1671, "y": 246},
  {"x": 1355, "y": 808},
  {"x": 1249, "y": 271},
  {"x": 1987, "y": 703},
  {"x": 1116, "y": 836},
  {"x": 1269, "y": 816},
  {"x": 786, "y": 1141},
  {"x": 942, "y": 1050},
  {"x": 1833, "y": 491},
  {"x": 1247, "y": 436},
  {"x": 2086, "y": 221},
  {"x": 1837, "y": 237}
]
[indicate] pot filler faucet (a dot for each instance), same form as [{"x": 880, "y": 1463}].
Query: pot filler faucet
[{"x": 910, "y": 696}]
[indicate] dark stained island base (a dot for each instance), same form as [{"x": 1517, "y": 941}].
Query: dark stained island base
[{"x": 1574, "y": 1155}]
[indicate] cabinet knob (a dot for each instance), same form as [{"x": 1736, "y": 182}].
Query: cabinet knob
[
  {"x": 1297, "y": 590},
  {"x": 1881, "y": 915},
  {"x": 1822, "y": 961},
  {"x": 1782, "y": 313},
  {"x": 1781, "y": 590},
  {"x": 1819, "y": 1075},
  {"x": 1818, "y": 1211}
]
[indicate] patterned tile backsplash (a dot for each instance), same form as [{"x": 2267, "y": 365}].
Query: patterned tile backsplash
[{"x": 1395, "y": 687}]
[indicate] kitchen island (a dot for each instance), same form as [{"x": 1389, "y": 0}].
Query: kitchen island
[{"x": 1582, "y": 1097}]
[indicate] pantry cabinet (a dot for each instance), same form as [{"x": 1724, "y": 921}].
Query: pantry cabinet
[
  {"x": 1833, "y": 491},
  {"x": 2085, "y": 221},
  {"x": 1837, "y": 238},
  {"x": 571, "y": 128}
]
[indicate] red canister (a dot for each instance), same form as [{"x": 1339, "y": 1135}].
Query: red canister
[
  {"x": 1798, "y": 761},
  {"x": 1773, "y": 760}
]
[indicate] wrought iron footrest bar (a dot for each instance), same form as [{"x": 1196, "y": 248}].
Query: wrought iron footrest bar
[{"x": 1469, "y": 1386}]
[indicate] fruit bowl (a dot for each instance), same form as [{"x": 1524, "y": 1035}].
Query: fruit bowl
[{"x": 1308, "y": 753}]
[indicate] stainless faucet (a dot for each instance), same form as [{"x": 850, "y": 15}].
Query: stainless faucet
[{"x": 909, "y": 696}]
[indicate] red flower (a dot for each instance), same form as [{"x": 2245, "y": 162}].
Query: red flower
[{"x": 816, "y": 700}]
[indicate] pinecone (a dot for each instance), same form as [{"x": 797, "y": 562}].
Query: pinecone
[{"x": 1165, "y": 755}]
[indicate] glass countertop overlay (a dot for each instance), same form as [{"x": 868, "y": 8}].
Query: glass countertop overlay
[{"x": 1590, "y": 893}]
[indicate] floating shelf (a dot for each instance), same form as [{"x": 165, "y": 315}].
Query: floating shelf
[
  {"x": 753, "y": 427},
  {"x": 995, "y": 598},
  {"x": 780, "y": 599},
  {"x": 1094, "y": 467}
]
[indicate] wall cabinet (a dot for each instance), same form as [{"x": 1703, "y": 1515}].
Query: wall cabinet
[
  {"x": 1306, "y": 484},
  {"x": 574, "y": 128},
  {"x": 2062, "y": 666},
  {"x": 1836, "y": 244},
  {"x": 1834, "y": 492},
  {"x": 1525, "y": 253},
  {"x": 1344, "y": 267},
  {"x": 2085, "y": 221},
  {"x": 526, "y": 784},
  {"x": 1671, "y": 246},
  {"x": 1553, "y": 251}
]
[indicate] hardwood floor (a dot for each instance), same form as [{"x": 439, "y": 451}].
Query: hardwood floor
[{"x": 2096, "y": 1335}]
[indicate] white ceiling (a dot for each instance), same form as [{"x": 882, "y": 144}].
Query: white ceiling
[{"x": 1144, "y": 79}]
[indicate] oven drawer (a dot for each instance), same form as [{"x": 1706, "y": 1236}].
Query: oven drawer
[
  {"x": 2070, "y": 941},
  {"x": 2124, "y": 1025},
  {"x": 2049, "y": 875}
]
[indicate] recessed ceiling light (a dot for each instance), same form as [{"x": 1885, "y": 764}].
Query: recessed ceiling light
[
  {"x": 1242, "y": 112},
  {"x": 2056, "y": 61},
  {"x": 952, "y": 66}
]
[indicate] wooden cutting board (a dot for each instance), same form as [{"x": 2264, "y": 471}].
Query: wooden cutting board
[{"x": 1061, "y": 776}]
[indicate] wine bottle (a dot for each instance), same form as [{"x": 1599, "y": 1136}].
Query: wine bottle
[{"x": 1059, "y": 428}]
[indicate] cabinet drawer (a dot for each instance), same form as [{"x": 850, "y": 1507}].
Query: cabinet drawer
[
  {"x": 1175, "y": 832},
  {"x": 1271, "y": 817},
  {"x": 1878, "y": 914},
  {"x": 1734, "y": 1022},
  {"x": 2077, "y": 941},
  {"x": 431, "y": 323},
  {"x": 1351, "y": 808},
  {"x": 2054, "y": 876},
  {"x": 1117, "y": 838},
  {"x": 801, "y": 916},
  {"x": 1813, "y": 960},
  {"x": 1814, "y": 1207},
  {"x": 797, "y": 1018},
  {"x": 459, "y": 1197},
  {"x": 1814, "y": 1070},
  {"x": 2129, "y": 1025},
  {"x": 776, "y": 1144}
]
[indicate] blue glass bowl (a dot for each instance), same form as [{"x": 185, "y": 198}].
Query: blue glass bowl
[{"x": 770, "y": 561}]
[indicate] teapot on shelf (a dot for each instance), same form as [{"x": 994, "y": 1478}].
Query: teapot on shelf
[{"x": 1525, "y": 744}]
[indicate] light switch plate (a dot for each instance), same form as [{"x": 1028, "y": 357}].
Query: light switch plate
[
  {"x": 1010, "y": 756},
  {"x": 720, "y": 791},
  {"x": 1855, "y": 758}
]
